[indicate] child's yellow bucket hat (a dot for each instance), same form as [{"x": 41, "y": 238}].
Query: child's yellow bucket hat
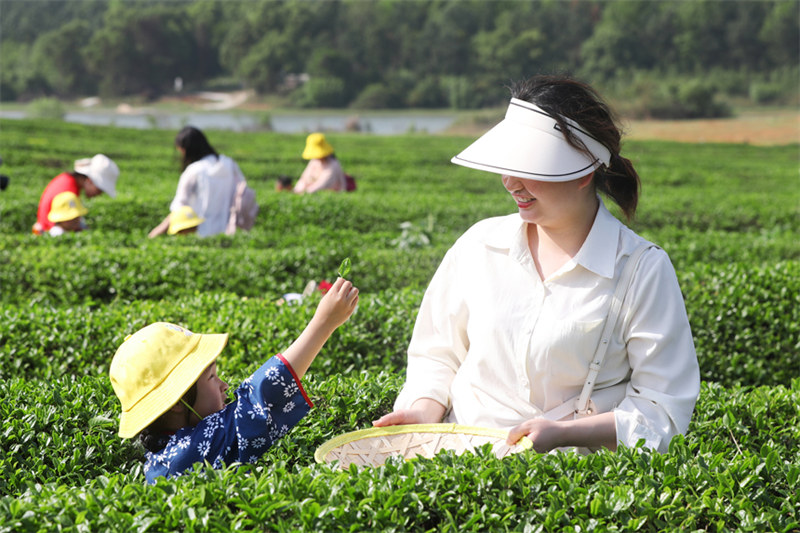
[
  {"x": 153, "y": 369},
  {"x": 183, "y": 218},
  {"x": 66, "y": 206},
  {"x": 317, "y": 147}
]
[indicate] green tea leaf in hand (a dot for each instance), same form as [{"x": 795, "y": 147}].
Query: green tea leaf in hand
[{"x": 344, "y": 268}]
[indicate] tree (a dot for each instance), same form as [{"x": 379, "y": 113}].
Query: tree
[
  {"x": 57, "y": 57},
  {"x": 140, "y": 51}
]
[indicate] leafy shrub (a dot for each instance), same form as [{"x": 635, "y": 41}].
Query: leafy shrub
[
  {"x": 727, "y": 216},
  {"x": 321, "y": 92},
  {"x": 378, "y": 96},
  {"x": 49, "y": 108}
]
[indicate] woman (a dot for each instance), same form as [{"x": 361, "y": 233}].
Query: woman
[
  {"x": 511, "y": 320},
  {"x": 323, "y": 171},
  {"x": 207, "y": 185},
  {"x": 92, "y": 176}
]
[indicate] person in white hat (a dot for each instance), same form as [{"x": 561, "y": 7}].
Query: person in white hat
[
  {"x": 92, "y": 176},
  {"x": 512, "y": 329}
]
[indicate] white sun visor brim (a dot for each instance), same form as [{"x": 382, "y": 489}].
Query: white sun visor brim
[{"x": 528, "y": 143}]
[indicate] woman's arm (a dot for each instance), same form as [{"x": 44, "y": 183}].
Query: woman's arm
[
  {"x": 590, "y": 432},
  {"x": 305, "y": 179},
  {"x": 422, "y": 411}
]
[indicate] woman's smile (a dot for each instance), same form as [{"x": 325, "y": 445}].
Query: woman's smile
[{"x": 523, "y": 202}]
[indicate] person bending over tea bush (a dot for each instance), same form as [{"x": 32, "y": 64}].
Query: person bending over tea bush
[
  {"x": 510, "y": 332},
  {"x": 183, "y": 221},
  {"x": 93, "y": 176},
  {"x": 66, "y": 214},
  {"x": 207, "y": 184},
  {"x": 166, "y": 379}
]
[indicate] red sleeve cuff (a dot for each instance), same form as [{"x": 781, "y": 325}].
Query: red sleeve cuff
[{"x": 296, "y": 379}]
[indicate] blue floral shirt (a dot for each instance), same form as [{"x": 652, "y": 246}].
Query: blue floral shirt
[{"x": 268, "y": 404}]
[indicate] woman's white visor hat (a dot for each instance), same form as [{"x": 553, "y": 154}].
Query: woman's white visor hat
[{"x": 528, "y": 143}]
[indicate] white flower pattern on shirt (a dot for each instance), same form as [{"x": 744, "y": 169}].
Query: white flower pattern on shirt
[{"x": 261, "y": 413}]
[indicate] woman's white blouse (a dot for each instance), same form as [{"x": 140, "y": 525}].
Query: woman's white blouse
[
  {"x": 497, "y": 345},
  {"x": 208, "y": 186}
]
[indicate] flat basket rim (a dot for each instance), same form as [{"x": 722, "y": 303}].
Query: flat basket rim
[{"x": 324, "y": 449}]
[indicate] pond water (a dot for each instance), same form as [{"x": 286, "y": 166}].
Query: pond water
[{"x": 374, "y": 123}]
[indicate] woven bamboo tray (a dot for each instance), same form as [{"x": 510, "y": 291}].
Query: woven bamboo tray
[{"x": 371, "y": 447}]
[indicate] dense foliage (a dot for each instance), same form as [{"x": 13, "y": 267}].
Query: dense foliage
[
  {"x": 668, "y": 58},
  {"x": 727, "y": 215}
]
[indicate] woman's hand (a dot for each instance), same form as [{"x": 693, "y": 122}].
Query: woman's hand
[
  {"x": 423, "y": 411},
  {"x": 591, "y": 432},
  {"x": 545, "y": 434}
]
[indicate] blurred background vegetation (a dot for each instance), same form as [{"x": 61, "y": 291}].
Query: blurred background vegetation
[{"x": 665, "y": 59}]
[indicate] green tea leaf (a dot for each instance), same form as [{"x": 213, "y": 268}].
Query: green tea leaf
[{"x": 344, "y": 268}]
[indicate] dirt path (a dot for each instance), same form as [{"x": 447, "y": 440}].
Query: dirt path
[{"x": 759, "y": 128}]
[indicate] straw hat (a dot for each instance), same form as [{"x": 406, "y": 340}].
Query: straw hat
[
  {"x": 155, "y": 367},
  {"x": 102, "y": 171},
  {"x": 317, "y": 147},
  {"x": 183, "y": 218},
  {"x": 66, "y": 206},
  {"x": 528, "y": 143}
]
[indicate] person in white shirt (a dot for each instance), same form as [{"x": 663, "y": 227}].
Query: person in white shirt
[
  {"x": 207, "y": 185},
  {"x": 513, "y": 317}
]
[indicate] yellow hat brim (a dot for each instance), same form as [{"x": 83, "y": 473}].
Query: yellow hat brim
[
  {"x": 158, "y": 401},
  {"x": 184, "y": 224},
  {"x": 317, "y": 150}
]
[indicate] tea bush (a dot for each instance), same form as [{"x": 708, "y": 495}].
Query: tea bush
[{"x": 727, "y": 215}]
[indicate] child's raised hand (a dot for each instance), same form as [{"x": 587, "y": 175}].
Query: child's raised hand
[{"x": 338, "y": 303}]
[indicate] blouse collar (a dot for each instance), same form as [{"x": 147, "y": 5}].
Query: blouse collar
[{"x": 598, "y": 253}]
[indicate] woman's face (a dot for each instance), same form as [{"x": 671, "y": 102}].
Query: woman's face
[
  {"x": 211, "y": 390},
  {"x": 547, "y": 202}
]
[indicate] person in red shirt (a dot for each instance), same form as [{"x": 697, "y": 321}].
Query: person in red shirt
[{"x": 94, "y": 176}]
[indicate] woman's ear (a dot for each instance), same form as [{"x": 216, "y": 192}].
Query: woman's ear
[
  {"x": 585, "y": 181},
  {"x": 177, "y": 408}
]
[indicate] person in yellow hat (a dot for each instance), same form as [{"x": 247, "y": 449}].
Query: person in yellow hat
[
  {"x": 93, "y": 176},
  {"x": 323, "y": 171},
  {"x": 66, "y": 214},
  {"x": 183, "y": 221},
  {"x": 165, "y": 377}
]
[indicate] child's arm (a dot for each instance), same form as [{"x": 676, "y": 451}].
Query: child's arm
[{"x": 335, "y": 308}]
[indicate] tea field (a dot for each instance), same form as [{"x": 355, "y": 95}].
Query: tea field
[{"x": 728, "y": 215}]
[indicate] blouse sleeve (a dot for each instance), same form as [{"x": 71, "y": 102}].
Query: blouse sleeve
[
  {"x": 665, "y": 376},
  {"x": 268, "y": 404},
  {"x": 328, "y": 178},
  {"x": 439, "y": 342},
  {"x": 305, "y": 179},
  {"x": 187, "y": 185}
]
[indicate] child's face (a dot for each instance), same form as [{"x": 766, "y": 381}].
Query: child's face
[
  {"x": 71, "y": 225},
  {"x": 211, "y": 395}
]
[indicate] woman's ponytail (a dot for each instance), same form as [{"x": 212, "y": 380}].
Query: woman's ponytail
[{"x": 620, "y": 181}]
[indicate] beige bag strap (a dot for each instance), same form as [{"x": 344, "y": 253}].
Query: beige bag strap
[{"x": 624, "y": 283}]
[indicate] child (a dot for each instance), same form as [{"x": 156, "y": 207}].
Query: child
[
  {"x": 65, "y": 214},
  {"x": 183, "y": 220},
  {"x": 166, "y": 379}
]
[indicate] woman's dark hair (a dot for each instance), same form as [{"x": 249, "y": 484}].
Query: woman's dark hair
[
  {"x": 194, "y": 144},
  {"x": 563, "y": 97},
  {"x": 153, "y": 437}
]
